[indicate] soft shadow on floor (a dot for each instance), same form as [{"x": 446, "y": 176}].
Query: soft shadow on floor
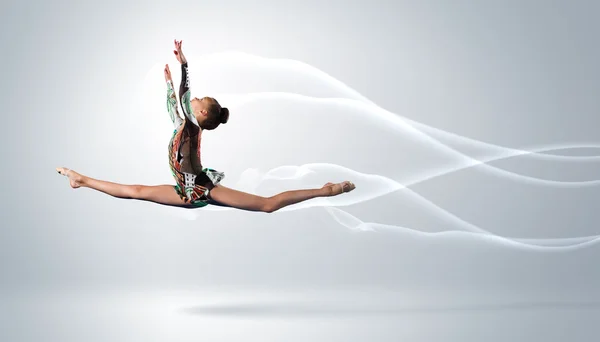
[{"x": 307, "y": 309}]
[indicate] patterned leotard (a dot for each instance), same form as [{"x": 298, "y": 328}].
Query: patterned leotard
[{"x": 193, "y": 181}]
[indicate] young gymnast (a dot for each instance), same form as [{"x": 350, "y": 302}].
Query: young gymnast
[{"x": 197, "y": 186}]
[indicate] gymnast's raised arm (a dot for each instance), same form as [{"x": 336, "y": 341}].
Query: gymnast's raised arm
[
  {"x": 184, "y": 86},
  {"x": 172, "y": 100}
]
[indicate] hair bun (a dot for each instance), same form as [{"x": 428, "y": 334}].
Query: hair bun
[{"x": 224, "y": 115}]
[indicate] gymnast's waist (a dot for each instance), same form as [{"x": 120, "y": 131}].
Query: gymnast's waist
[{"x": 207, "y": 177}]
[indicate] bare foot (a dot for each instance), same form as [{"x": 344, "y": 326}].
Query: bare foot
[
  {"x": 75, "y": 179},
  {"x": 340, "y": 188}
]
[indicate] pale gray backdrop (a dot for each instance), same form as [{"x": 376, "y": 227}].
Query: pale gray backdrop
[{"x": 516, "y": 74}]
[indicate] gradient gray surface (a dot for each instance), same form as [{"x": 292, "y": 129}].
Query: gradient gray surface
[{"x": 83, "y": 88}]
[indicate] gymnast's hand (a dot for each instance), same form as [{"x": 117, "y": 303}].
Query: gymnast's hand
[
  {"x": 168, "y": 77},
  {"x": 178, "y": 53}
]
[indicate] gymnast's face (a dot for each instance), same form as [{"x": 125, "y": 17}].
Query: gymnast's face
[
  {"x": 209, "y": 113},
  {"x": 200, "y": 108}
]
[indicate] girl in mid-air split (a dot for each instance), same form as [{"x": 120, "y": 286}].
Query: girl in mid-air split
[{"x": 197, "y": 186}]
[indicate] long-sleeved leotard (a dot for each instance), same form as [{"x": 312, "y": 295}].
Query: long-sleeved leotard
[
  {"x": 185, "y": 95},
  {"x": 189, "y": 149},
  {"x": 193, "y": 182},
  {"x": 172, "y": 105}
]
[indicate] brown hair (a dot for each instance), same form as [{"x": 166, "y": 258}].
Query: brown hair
[{"x": 216, "y": 114}]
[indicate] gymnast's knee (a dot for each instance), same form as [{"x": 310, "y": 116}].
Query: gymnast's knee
[
  {"x": 135, "y": 191},
  {"x": 269, "y": 205}
]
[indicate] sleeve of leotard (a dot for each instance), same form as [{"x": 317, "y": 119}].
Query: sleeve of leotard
[
  {"x": 185, "y": 95},
  {"x": 172, "y": 105}
]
